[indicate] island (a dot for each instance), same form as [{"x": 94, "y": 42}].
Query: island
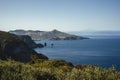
[{"x": 48, "y": 35}]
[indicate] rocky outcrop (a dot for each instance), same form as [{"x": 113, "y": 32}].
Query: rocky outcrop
[
  {"x": 48, "y": 35},
  {"x": 27, "y": 39},
  {"x": 11, "y": 46}
]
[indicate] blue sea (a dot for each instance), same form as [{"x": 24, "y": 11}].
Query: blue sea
[{"x": 103, "y": 51}]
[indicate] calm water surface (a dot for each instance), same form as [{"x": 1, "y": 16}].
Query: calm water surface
[{"x": 102, "y": 51}]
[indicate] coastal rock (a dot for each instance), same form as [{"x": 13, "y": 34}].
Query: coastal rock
[
  {"x": 47, "y": 35},
  {"x": 27, "y": 39},
  {"x": 11, "y": 46}
]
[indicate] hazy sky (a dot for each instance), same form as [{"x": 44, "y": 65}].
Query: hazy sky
[{"x": 64, "y": 15}]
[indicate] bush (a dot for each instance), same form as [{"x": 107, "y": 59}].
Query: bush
[{"x": 54, "y": 70}]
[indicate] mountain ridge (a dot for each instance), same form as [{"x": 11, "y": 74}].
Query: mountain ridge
[{"x": 47, "y": 35}]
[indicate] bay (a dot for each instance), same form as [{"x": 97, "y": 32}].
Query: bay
[{"x": 103, "y": 51}]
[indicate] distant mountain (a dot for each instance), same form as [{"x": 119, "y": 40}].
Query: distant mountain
[
  {"x": 98, "y": 34},
  {"x": 47, "y": 35}
]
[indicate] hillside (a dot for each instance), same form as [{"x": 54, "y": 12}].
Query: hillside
[
  {"x": 27, "y": 39},
  {"x": 11, "y": 46},
  {"x": 54, "y": 70},
  {"x": 47, "y": 35}
]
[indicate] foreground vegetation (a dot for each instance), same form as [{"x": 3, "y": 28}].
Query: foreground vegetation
[{"x": 54, "y": 70}]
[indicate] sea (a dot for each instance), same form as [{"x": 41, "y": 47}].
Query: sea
[{"x": 101, "y": 50}]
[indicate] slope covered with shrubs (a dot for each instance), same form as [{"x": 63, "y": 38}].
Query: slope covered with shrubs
[{"x": 54, "y": 70}]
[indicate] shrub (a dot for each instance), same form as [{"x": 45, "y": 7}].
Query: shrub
[{"x": 48, "y": 70}]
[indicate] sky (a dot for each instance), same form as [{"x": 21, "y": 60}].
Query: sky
[{"x": 64, "y": 15}]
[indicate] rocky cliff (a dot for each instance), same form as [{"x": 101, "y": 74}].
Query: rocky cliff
[
  {"x": 47, "y": 35},
  {"x": 27, "y": 39},
  {"x": 11, "y": 46}
]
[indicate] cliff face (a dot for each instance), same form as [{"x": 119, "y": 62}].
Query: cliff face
[
  {"x": 47, "y": 35},
  {"x": 11, "y": 46},
  {"x": 27, "y": 39}
]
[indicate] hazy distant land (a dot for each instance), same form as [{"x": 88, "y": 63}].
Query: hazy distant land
[{"x": 47, "y": 35}]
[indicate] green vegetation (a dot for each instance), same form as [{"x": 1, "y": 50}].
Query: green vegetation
[{"x": 54, "y": 70}]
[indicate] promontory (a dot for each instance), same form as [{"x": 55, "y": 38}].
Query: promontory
[{"x": 47, "y": 35}]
